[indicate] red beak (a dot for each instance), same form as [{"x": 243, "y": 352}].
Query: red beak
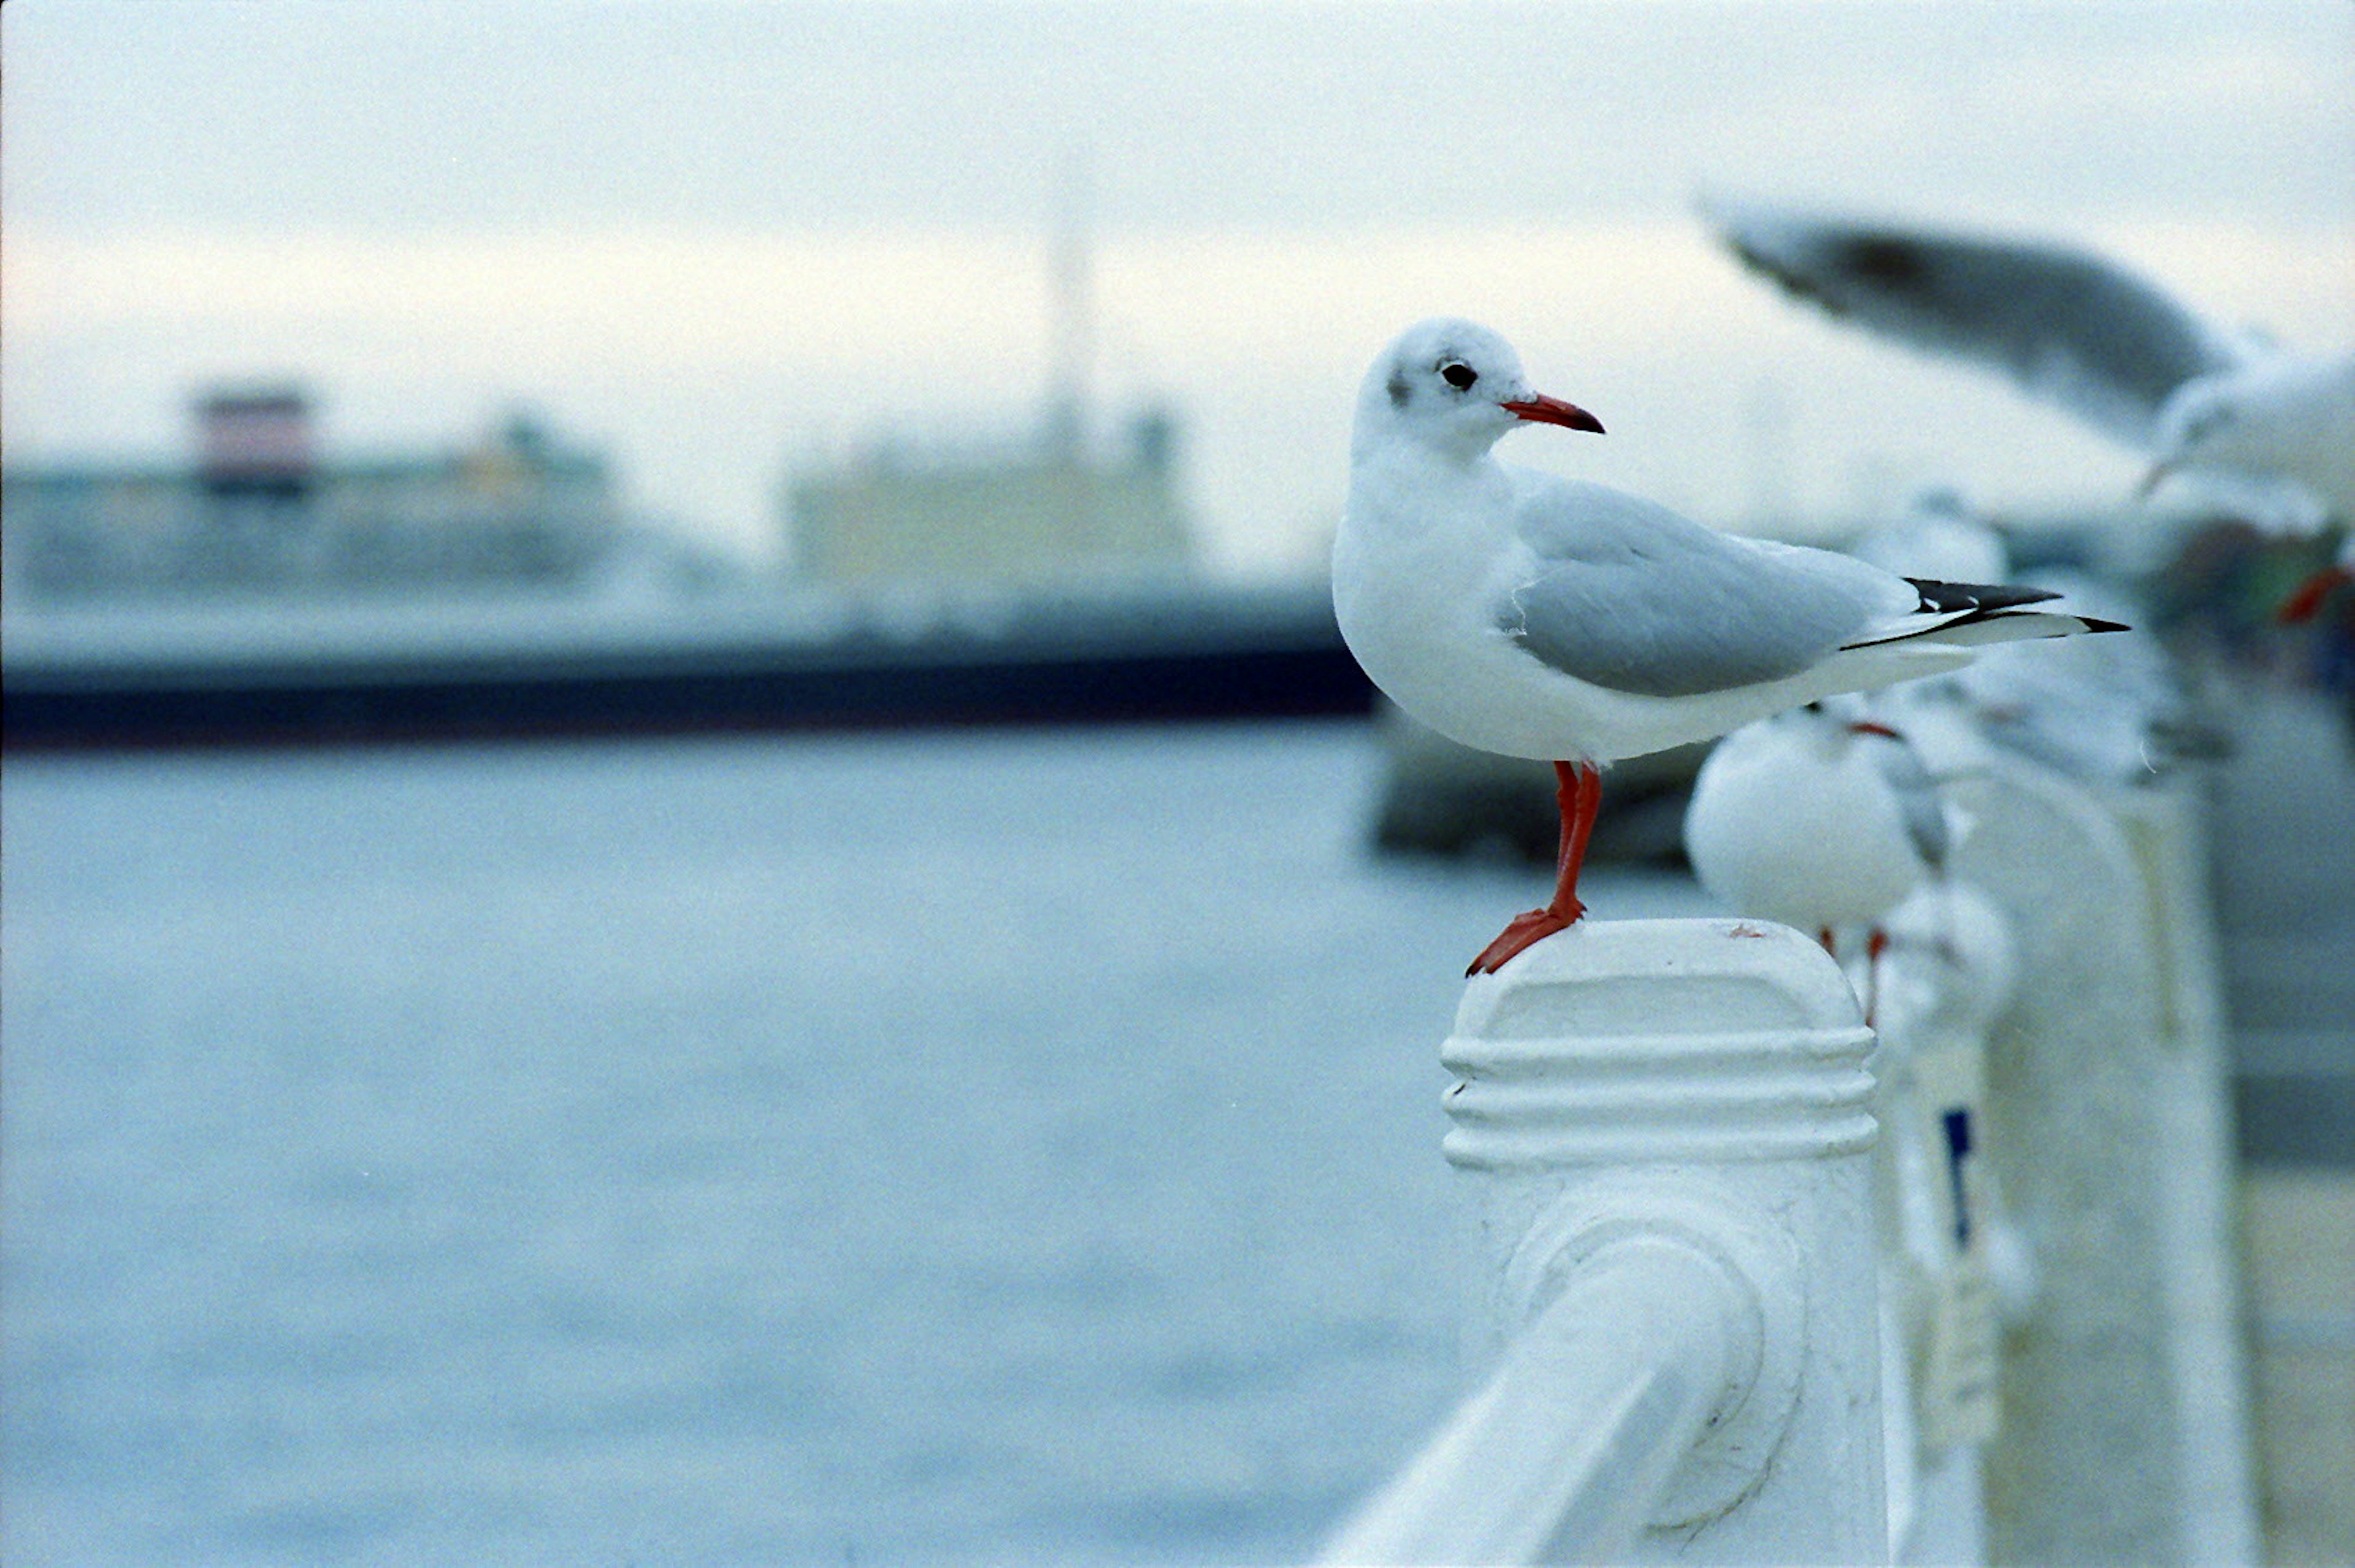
[
  {"x": 1874, "y": 727},
  {"x": 1553, "y": 411},
  {"x": 2305, "y": 601}
]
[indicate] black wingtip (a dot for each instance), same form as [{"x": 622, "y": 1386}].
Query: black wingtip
[
  {"x": 2093, "y": 625},
  {"x": 1943, "y": 596}
]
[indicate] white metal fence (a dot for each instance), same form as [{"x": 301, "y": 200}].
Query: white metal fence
[{"x": 1738, "y": 1299}]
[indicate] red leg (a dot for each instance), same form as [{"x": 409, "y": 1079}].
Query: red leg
[
  {"x": 1579, "y": 795},
  {"x": 1875, "y": 946}
]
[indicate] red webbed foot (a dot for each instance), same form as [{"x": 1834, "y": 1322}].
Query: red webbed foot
[{"x": 1526, "y": 931}]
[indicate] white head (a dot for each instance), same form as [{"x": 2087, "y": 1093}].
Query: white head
[
  {"x": 2285, "y": 415},
  {"x": 1832, "y": 726},
  {"x": 1451, "y": 386},
  {"x": 2203, "y": 426}
]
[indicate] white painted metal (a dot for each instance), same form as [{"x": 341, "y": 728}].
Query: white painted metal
[
  {"x": 1663, "y": 1126},
  {"x": 2214, "y": 1448},
  {"x": 1945, "y": 977},
  {"x": 1591, "y": 1410},
  {"x": 2124, "y": 1433}
]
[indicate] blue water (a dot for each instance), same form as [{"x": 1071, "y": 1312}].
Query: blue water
[{"x": 1004, "y": 1147}]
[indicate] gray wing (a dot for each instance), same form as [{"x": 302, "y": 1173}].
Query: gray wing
[
  {"x": 1628, "y": 595},
  {"x": 2069, "y": 327},
  {"x": 1917, "y": 800}
]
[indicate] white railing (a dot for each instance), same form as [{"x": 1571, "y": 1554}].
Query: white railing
[
  {"x": 1696, "y": 1277},
  {"x": 2120, "y": 1390},
  {"x": 1664, "y": 1126},
  {"x": 1564, "y": 1451}
]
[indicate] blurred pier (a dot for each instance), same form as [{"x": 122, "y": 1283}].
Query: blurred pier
[
  {"x": 2281, "y": 836},
  {"x": 885, "y": 657}
]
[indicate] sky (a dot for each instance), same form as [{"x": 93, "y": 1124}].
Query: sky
[{"x": 723, "y": 239}]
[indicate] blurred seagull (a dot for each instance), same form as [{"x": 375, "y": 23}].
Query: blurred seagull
[
  {"x": 2276, "y": 430},
  {"x": 1521, "y": 613},
  {"x": 1822, "y": 818},
  {"x": 2109, "y": 710},
  {"x": 1951, "y": 964},
  {"x": 1937, "y": 535}
]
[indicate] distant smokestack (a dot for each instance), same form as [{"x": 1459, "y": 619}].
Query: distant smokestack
[{"x": 1073, "y": 345}]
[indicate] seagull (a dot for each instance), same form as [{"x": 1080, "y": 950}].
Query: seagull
[
  {"x": 1532, "y": 615},
  {"x": 2109, "y": 714},
  {"x": 2275, "y": 429},
  {"x": 1952, "y": 965},
  {"x": 2108, "y": 711},
  {"x": 1937, "y": 535},
  {"x": 1818, "y": 817},
  {"x": 1822, "y": 818}
]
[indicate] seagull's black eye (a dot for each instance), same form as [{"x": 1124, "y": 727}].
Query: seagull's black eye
[{"x": 1459, "y": 375}]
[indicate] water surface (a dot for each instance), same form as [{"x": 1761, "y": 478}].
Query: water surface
[{"x": 1011, "y": 1146}]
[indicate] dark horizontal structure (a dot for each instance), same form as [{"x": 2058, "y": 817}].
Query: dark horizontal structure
[{"x": 899, "y": 659}]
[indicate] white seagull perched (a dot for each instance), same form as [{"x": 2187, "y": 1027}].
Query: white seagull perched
[
  {"x": 2087, "y": 335},
  {"x": 1820, "y": 818},
  {"x": 1521, "y": 612},
  {"x": 1823, "y": 818}
]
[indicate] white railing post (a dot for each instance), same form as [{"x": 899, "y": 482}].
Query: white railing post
[
  {"x": 1948, "y": 1254},
  {"x": 2123, "y": 1431},
  {"x": 1663, "y": 1127},
  {"x": 2215, "y": 1450}
]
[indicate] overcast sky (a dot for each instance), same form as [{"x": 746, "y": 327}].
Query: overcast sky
[{"x": 720, "y": 238}]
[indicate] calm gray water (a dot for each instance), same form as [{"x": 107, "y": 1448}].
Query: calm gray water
[{"x": 879, "y": 1149}]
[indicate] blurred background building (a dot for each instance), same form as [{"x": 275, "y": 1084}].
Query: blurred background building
[
  {"x": 1046, "y": 510},
  {"x": 1051, "y": 507},
  {"x": 261, "y": 509}
]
